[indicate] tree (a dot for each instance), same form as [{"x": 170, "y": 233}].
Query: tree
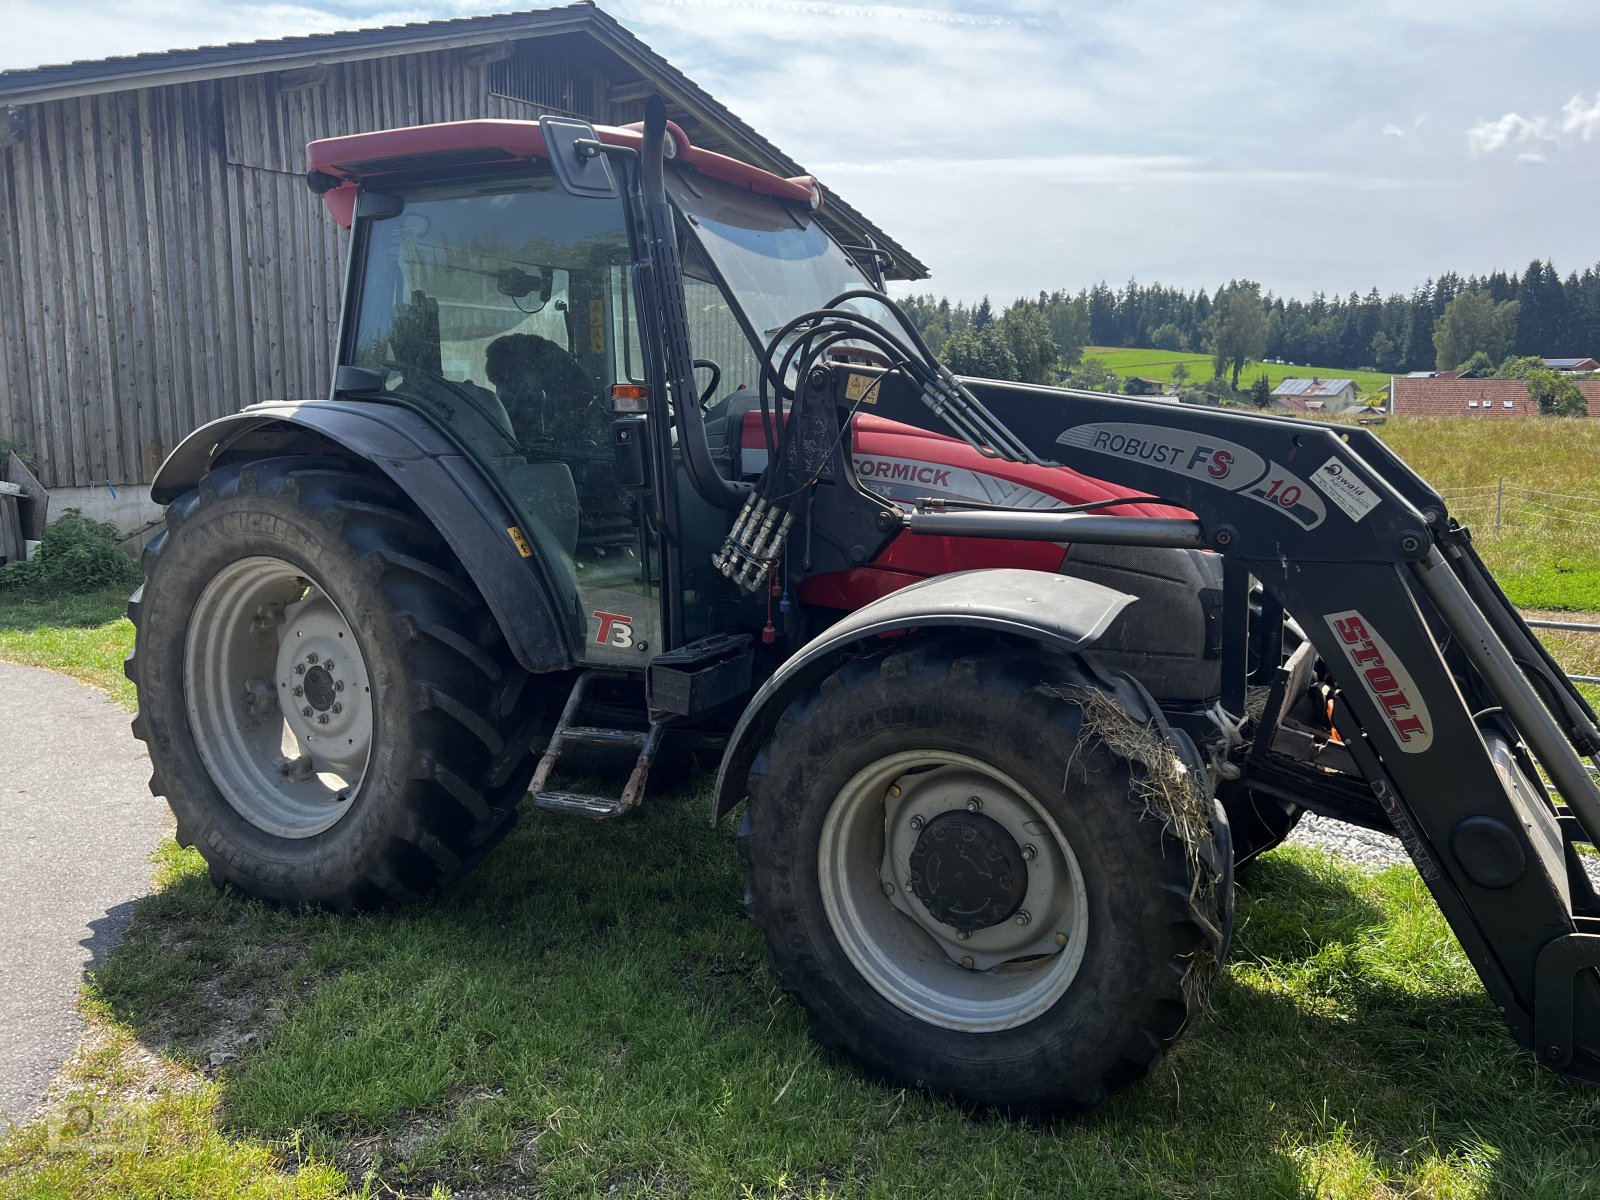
[
  {"x": 983, "y": 315},
  {"x": 1555, "y": 394},
  {"x": 1512, "y": 367},
  {"x": 1238, "y": 327},
  {"x": 1091, "y": 374},
  {"x": 1479, "y": 366},
  {"x": 1168, "y": 337},
  {"x": 1261, "y": 391},
  {"x": 1473, "y": 322},
  {"x": 1028, "y": 334},
  {"x": 1385, "y": 354},
  {"x": 985, "y": 353},
  {"x": 1180, "y": 373},
  {"x": 1069, "y": 326}
]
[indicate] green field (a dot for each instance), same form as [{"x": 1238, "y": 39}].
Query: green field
[
  {"x": 1158, "y": 364},
  {"x": 589, "y": 1014}
]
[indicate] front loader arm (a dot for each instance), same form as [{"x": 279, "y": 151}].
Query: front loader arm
[{"x": 1432, "y": 664}]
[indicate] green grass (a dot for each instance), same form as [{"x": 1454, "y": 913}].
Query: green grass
[
  {"x": 1546, "y": 551},
  {"x": 86, "y": 637},
  {"x": 1158, "y": 364},
  {"x": 587, "y": 1014}
]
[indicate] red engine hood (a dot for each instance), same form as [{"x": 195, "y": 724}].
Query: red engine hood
[{"x": 904, "y": 463}]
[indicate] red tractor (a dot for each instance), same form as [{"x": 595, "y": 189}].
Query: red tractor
[{"x": 1007, "y": 678}]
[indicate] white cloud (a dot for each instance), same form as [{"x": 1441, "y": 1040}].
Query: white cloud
[
  {"x": 1393, "y": 130},
  {"x": 1578, "y": 118},
  {"x": 1512, "y": 129},
  {"x": 1584, "y": 120}
]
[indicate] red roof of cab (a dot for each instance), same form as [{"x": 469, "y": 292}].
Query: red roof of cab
[{"x": 364, "y": 156}]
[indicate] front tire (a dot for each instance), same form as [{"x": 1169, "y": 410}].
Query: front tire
[
  {"x": 987, "y": 874},
  {"x": 329, "y": 708}
]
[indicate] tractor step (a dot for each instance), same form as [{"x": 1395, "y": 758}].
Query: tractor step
[
  {"x": 596, "y": 808},
  {"x": 644, "y": 741}
]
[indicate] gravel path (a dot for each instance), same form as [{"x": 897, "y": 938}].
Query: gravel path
[
  {"x": 1368, "y": 848},
  {"x": 77, "y": 825}
]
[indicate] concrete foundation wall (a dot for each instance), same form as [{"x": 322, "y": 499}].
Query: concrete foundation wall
[{"x": 129, "y": 509}]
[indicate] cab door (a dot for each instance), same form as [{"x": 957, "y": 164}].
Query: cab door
[{"x": 500, "y": 309}]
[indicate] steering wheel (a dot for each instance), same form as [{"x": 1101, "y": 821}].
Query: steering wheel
[{"x": 711, "y": 388}]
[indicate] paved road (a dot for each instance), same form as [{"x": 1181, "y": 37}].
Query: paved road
[{"x": 77, "y": 825}]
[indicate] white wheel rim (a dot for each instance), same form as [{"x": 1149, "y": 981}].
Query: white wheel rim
[
  {"x": 996, "y": 978},
  {"x": 278, "y": 696}
]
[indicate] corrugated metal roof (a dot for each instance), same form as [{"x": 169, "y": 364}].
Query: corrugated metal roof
[
  {"x": 88, "y": 76},
  {"x": 1567, "y": 364},
  {"x": 35, "y": 84}
]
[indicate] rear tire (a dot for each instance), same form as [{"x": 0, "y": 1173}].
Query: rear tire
[
  {"x": 421, "y": 755},
  {"x": 1036, "y": 1026}
]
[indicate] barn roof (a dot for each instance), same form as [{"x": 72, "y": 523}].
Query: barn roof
[
  {"x": 31, "y": 85},
  {"x": 1475, "y": 397}
]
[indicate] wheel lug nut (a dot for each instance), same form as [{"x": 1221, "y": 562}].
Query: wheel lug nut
[
  {"x": 299, "y": 668},
  {"x": 974, "y": 804},
  {"x": 1061, "y": 939},
  {"x": 1024, "y": 917},
  {"x": 888, "y": 889},
  {"x": 962, "y": 935},
  {"x": 1029, "y": 854},
  {"x": 338, "y": 685},
  {"x": 299, "y": 691},
  {"x": 322, "y": 718},
  {"x": 312, "y": 658},
  {"x": 967, "y": 962},
  {"x": 338, "y": 708},
  {"x": 306, "y": 711},
  {"x": 917, "y": 822}
]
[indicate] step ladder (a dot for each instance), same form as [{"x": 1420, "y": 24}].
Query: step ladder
[{"x": 568, "y": 734}]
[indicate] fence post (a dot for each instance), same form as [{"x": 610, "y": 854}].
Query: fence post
[{"x": 1499, "y": 500}]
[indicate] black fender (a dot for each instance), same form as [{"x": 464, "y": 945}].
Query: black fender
[
  {"x": 1055, "y": 612},
  {"x": 447, "y": 487}
]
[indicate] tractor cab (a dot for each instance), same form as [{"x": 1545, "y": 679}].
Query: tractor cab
[{"x": 502, "y": 306}]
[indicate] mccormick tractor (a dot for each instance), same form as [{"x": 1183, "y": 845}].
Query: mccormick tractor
[{"x": 622, "y": 447}]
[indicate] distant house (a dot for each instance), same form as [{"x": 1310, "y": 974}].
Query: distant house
[
  {"x": 1475, "y": 398},
  {"x": 1572, "y": 366},
  {"x": 1315, "y": 395},
  {"x": 1137, "y": 385}
]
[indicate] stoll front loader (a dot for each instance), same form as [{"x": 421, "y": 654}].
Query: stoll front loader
[{"x": 1007, "y": 678}]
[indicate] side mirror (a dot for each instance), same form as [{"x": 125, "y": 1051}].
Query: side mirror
[{"x": 580, "y": 165}]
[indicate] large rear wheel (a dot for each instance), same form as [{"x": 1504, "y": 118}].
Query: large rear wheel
[
  {"x": 330, "y": 710},
  {"x": 988, "y": 874}
]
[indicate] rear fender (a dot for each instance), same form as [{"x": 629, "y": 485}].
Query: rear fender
[
  {"x": 1055, "y": 612},
  {"x": 446, "y": 486}
]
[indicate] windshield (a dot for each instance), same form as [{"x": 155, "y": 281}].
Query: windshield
[{"x": 776, "y": 260}]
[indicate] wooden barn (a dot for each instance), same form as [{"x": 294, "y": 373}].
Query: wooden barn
[{"x": 162, "y": 261}]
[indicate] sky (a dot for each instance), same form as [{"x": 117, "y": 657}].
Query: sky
[{"x": 1027, "y": 145}]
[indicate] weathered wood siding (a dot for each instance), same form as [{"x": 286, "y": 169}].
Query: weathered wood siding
[{"x": 162, "y": 262}]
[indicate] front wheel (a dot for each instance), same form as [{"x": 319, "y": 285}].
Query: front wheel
[{"x": 987, "y": 875}]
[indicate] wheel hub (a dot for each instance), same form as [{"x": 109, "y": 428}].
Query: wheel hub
[
  {"x": 968, "y": 871},
  {"x": 319, "y": 689}
]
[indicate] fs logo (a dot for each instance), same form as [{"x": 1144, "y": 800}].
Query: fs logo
[{"x": 615, "y": 629}]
